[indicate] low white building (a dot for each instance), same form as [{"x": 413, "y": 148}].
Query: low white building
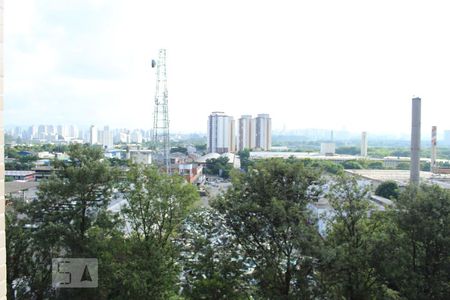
[
  {"x": 327, "y": 148},
  {"x": 141, "y": 156},
  {"x": 115, "y": 153}
]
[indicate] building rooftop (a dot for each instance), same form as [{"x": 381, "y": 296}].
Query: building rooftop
[
  {"x": 399, "y": 176},
  {"x": 302, "y": 155},
  {"x": 407, "y": 159},
  {"x": 203, "y": 158},
  {"x": 19, "y": 173},
  {"x": 141, "y": 151},
  {"x": 402, "y": 176},
  {"x": 18, "y": 186}
]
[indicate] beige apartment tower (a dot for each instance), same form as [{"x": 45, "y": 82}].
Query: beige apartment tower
[
  {"x": 2, "y": 172},
  {"x": 245, "y": 138},
  {"x": 262, "y": 130},
  {"x": 255, "y": 133},
  {"x": 221, "y": 136}
]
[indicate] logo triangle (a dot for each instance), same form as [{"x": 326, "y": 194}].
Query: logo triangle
[{"x": 86, "y": 275}]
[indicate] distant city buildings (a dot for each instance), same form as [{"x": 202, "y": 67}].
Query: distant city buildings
[
  {"x": 220, "y": 136},
  {"x": 45, "y": 133}
]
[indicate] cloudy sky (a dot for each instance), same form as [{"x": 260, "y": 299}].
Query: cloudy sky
[{"x": 310, "y": 64}]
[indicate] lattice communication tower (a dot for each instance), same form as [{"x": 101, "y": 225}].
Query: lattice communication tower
[{"x": 161, "y": 110}]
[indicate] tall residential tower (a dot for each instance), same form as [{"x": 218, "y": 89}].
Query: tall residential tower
[
  {"x": 245, "y": 139},
  {"x": 262, "y": 128},
  {"x": 221, "y": 136},
  {"x": 93, "y": 135}
]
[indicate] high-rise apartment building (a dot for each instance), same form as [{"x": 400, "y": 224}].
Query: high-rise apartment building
[
  {"x": 73, "y": 131},
  {"x": 107, "y": 140},
  {"x": 245, "y": 138},
  {"x": 62, "y": 131},
  {"x": 51, "y": 130},
  {"x": 124, "y": 136},
  {"x": 42, "y": 132},
  {"x": 100, "y": 138},
  {"x": 93, "y": 137},
  {"x": 33, "y": 132},
  {"x": 136, "y": 136},
  {"x": 221, "y": 136},
  {"x": 262, "y": 128}
]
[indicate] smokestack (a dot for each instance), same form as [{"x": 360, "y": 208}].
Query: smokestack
[
  {"x": 415, "y": 141},
  {"x": 364, "y": 144},
  {"x": 433, "y": 148}
]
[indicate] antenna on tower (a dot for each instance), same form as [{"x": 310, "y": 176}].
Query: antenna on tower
[{"x": 161, "y": 137}]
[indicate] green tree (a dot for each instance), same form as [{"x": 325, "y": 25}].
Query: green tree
[
  {"x": 349, "y": 150},
  {"x": 117, "y": 162},
  {"x": 401, "y": 153},
  {"x": 347, "y": 268},
  {"x": 425, "y": 166},
  {"x": 200, "y": 147},
  {"x": 244, "y": 156},
  {"x": 19, "y": 255},
  {"x": 219, "y": 167},
  {"x": 403, "y": 166},
  {"x": 213, "y": 267},
  {"x": 351, "y": 164},
  {"x": 156, "y": 206},
  {"x": 325, "y": 165},
  {"x": 375, "y": 165},
  {"x": 387, "y": 189},
  {"x": 68, "y": 205},
  {"x": 422, "y": 242},
  {"x": 266, "y": 210},
  {"x": 179, "y": 149}
]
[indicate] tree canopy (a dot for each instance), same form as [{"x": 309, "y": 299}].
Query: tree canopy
[
  {"x": 266, "y": 209},
  {"x": 387, "y": 189},
  {"x": 259, "y": 240}
]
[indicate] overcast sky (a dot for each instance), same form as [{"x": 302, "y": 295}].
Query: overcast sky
[{"x": 351, "y": 65}]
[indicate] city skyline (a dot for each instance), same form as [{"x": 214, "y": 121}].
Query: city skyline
[{"x": 90, "y": 60}]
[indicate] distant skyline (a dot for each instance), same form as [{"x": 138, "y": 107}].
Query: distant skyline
[{"x": 342, "y": 65}]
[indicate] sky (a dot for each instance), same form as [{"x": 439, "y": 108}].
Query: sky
[{"x": 343, "y": 65}]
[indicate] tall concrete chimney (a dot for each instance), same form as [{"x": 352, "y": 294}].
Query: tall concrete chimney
[
  {"x": 364, "y": 144},
  {"x": 433, "y": 148},
  {"x": 415, "y": 141}
]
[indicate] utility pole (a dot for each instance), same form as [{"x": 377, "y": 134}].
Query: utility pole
[{"x": 161, "y": 110}]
